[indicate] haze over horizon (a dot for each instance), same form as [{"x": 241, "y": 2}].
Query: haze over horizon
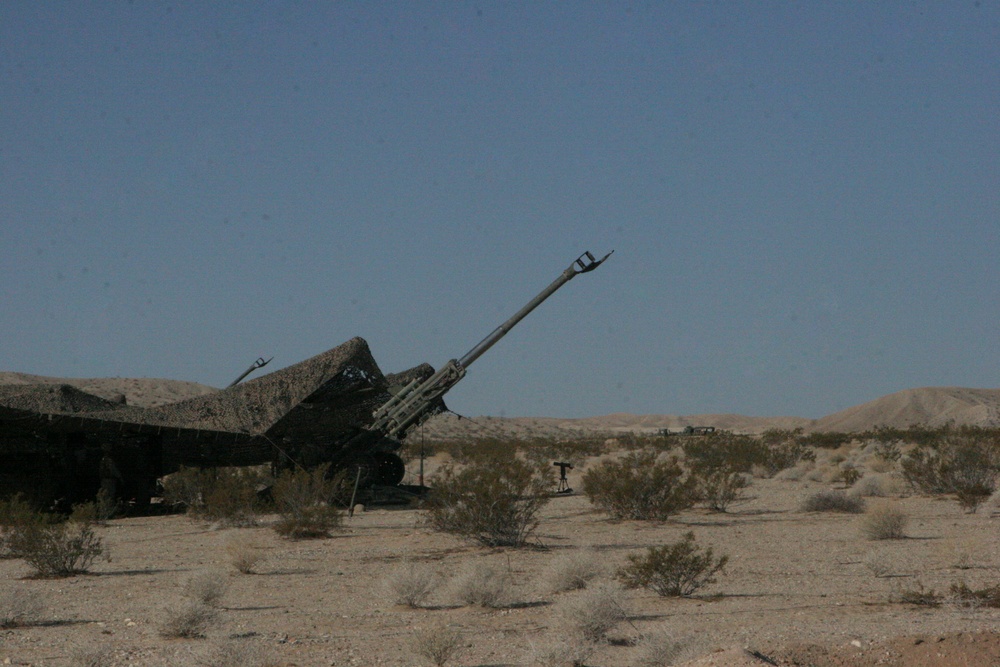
[{"x": 803, "y": 198}]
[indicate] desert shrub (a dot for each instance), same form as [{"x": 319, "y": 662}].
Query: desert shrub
[
  {"x": 884, "y": 523},
  {"x": 961, "y": 595},
  {"x": 673, "y": 570},
  {"x": 721, "y": 487},
  {"x": 411, "y": 584},
  {"x": 768, "y": 454},
  {"x": 877, "y": 562},
  {"x": 833, "y": 501},
  {"x": 100, "y": 656},
  {"x": 190, "y": 620},
  {"x": 850, "y": 475},
  {"x": 870, "y": 487},
  {"x": 494, "y": 502},
  {"x": 596, "y": 611},
  {"x": 244, "y": 554},
  {"x": 482, "y": 449},
  {"x": 438, "y": 644},
  {"x": 723, "y": 449},
  {"x": 53, "y": 548},
  {"x": 19, "y": 607},
  {"x": 574, "y": 571},
  {"x": 186, "y": 487},
  {"x": 966, "y": 464},
  {"x": 917, "y": 595},
  {"x": 826, "y": 439},
  {"x": 640, "y": 486},
  {"x": 229, "y": 496},
  {"x": 541, "y": 452},
  {"x": 886, "y": 451},
  {"x": 206, "y": 588},
  {"x": 304, "y": 500},
  {"x": 97, "y": 511},
  {"x": 242, "y": 654},
  {"x": 656, "y": 650},
  {"x": 484, "y": 586},
  {"x": 563, "y": 650}
]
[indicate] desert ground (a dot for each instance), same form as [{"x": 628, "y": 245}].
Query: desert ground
[{"x": 800, "y": 588}]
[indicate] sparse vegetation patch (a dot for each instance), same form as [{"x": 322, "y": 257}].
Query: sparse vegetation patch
[
  {"x": 494, "y": 502},
  {"x": 833, "y": 501},
  {"x": 640, "y": 486},
  {"x": 884, "y": 522},
  {"x": 53, "y": 548},
  {"x": 305, "y": 500},
  {"x": 673, "y": 570}
]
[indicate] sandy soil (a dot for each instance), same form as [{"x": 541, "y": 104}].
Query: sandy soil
[{"x": 800, "y": 589}]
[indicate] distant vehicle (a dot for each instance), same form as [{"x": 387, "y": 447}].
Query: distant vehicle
[{"x": 60, "y": 445}]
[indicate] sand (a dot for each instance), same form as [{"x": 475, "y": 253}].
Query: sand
[{"x": 799, "y": 589}]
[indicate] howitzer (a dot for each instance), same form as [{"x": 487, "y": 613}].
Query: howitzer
[
  {"x": 416, "y": 401},
  {"x": 62, "y": 445}
]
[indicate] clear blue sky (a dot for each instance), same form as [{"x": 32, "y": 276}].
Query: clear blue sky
[{"x": 803, "y": 197}]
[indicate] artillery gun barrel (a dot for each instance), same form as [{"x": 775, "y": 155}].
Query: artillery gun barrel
[
  {"x": 582, "y": 264},
  {"x": 260, "y": 363},
  {"x": 412, "y": 404}
]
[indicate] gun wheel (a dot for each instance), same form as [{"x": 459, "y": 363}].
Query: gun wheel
[
  {"x": 391, "y": 468},
  {"x": 363, "y": 471}
]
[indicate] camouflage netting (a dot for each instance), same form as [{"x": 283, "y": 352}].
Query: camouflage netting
[
  {"x": 51, "y": 398},
  {"x": 251, "y": 408}
]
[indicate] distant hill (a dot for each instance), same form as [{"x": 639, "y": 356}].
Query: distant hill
[{"x": 933, "y": 406}]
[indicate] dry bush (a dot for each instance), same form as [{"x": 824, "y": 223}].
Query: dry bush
[
  {"x": 564, "y": 650},
  {"x": 721, "y": 487},
  {"x": 15, "y": 515},
  {"x": 870, "y": 487},
  {"x": 917, "y": 595},
  {"x": 541, "y": 452},
  {"x": 241, "y": 654},
  {"x": 959, "y": 553},
  {"x": 657, "y": 650},
  {"x": 412, "y": 584},
  {"x": 878, "y": 563},
  {"x": 966, "y": 463},
  {"x": 596, "y": 611},
  {"x": 772, "y": 452},
  {"x": 438, "y": 644},
  {"x": 640, "y": 486},
  {"x": 54, "y": 549},
  {"x": 833, "y": 501},
  {"x": 796, "y": 472},
  {"x": 101, "y": 656},
  {"x": 228, "y": 496},
  {"x": 206, "y": 588},
  {"x": 483, "y": 585},
  {"x": 305, "y": 501},
  {"x": 819, "y": 474},
  {"x": 961, "y": 595},
  {"x": 673, "y": 570},
  {"x": 189, "y": 620},
  {"x": 849, "y": 474},
  {"x": 244, "y": 554},
  {"x": 494, "y": 502},
  {"x": 19, "y": 607},
  {"x": 573, "y": 571},
  {"x": 884, "y": 522}
]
